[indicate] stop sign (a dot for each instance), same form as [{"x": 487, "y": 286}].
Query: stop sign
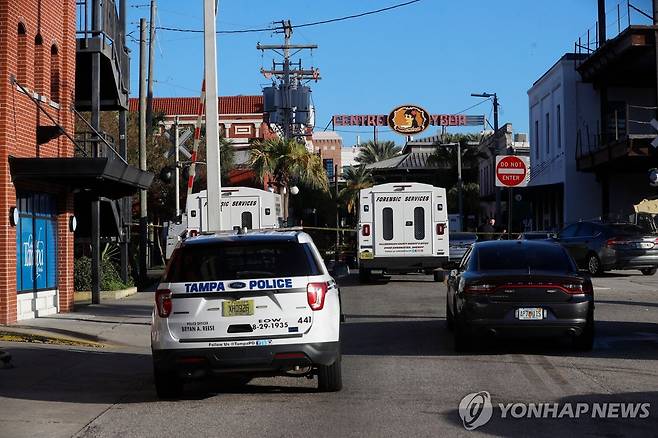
[{"x": 512, "y": 171}]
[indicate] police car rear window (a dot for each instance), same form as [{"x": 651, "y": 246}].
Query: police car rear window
[{"x": 229, "y": 261}]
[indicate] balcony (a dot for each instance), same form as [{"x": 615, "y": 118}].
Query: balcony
[
  {"x": 624, "y": 143},
  {"x": 99, "y": 31}
]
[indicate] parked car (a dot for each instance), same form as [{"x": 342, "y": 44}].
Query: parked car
[
  {"x": 459, "y": 244},
  {"x": 536, "y": 235},
  {"x": 519, "y": 288},
  {"x": 599, "y": 247}
]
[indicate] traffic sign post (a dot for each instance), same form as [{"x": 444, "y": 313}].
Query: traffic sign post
[{"x": 512, "y": 171}]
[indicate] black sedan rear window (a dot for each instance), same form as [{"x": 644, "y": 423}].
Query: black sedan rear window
[
  {"x": 533, "y": 257},
  {"x": 624, "y": 229},
  {"x": 239, "y": 260}
]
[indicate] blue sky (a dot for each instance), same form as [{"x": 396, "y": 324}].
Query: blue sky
[{"x": 433, "y": 53}]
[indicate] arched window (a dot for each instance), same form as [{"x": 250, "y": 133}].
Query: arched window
[
  {"x": 21, "y": 64},
  {"x": 39, "y": 65},
  {"x": 54, "y": 73}
]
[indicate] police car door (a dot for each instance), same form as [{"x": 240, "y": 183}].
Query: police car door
[
  {"x": 418, "y": 223},
  {"x": 245, "y": 212},
  {"x": 389, "y": 224}
]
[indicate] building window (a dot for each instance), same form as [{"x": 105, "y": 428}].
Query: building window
[
  {"x": 328, "y": 165},
  {"x": 537, "y": 138},
  {"x": 54, "y": 73},
  {"x": 419, "y": 223},
  {"x": 21, "y": 73},
  {"x": 39, "y": 65},
  {"x": 36, "y": 242},
  {"x": 548, "y": 133},
  {"x": 387, "y": 223},
  {"x": 558, "y": 125}
]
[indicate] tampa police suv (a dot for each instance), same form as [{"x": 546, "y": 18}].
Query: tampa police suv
[{"x": 243, "y": 305}]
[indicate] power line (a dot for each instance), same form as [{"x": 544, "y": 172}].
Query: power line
[{"x": 314, "y": 23}]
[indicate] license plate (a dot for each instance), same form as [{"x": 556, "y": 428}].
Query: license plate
[
  {"x": 530, "y": 314},
  {"x": 366, "y": 255},
  {"x": 644, "y": 245},
  {"x": 238, "y": 308}
]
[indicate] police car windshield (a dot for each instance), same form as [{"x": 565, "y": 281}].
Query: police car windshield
[{"x": 239, "y": 260}]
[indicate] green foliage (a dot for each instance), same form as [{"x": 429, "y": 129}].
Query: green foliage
[
  {"x": 287, "y": 161},
  {"x": 470, "y": 197},
  {"x": 110, "y": 278},
  {"x": 371, "y": 152},
  {"x": 356, "y": 178}
]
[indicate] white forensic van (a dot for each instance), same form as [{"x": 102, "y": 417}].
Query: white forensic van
[
  {"x": 403, "y": 227},
  {"x": 242, "y": 207}
]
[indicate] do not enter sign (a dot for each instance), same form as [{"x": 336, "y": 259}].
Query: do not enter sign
[{"x": 512, "y": 171}]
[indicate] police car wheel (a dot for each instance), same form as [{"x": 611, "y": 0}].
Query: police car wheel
[
  {"x": 167, "y": 383},
  {"x": 648, "y": 271},
  {"x": 329, "y": 377}
]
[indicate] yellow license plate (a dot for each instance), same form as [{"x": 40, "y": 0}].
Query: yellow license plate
[
  {"x": 366, "y": 255},
  {"x": 238, "y": 308}
]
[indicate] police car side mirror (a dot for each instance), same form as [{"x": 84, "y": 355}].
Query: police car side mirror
[{"x": 340, "y": 270}]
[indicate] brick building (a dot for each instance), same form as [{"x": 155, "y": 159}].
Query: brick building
[
  {"x": 241, "y": 118},
  {"x": 37, "y": 48},
  {"x": 329, "y": 145}
]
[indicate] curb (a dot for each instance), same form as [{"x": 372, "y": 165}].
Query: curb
[{"x": 32, "y": 337}]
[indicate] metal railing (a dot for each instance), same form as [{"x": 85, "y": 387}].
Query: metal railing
[
  {"x": 627, "y": 14},
  {"x": 622, "y": 122},
  {"x": 107, "y": 26}
]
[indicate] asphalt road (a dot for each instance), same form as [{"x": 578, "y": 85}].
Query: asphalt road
[{"x": 401, "y": 377}]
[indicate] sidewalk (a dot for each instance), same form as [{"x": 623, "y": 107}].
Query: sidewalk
[{"x": 115, "y": 323}]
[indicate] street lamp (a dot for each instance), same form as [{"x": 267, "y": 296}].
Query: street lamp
[{"x": 494, "y": 149}]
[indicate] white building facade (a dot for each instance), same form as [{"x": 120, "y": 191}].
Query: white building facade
[{"x": 562, "y": 110}]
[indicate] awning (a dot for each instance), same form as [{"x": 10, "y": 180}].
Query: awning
[{"x": 105, "y": 177}]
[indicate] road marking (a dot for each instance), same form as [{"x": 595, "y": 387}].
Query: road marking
[
  {"x": 601, "y": 288},
  {"x": 530, "y": 374},
  {"x": 552, "y": 371}
]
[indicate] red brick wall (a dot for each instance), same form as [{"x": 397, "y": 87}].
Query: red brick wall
[{"x": 55, "y": 23}]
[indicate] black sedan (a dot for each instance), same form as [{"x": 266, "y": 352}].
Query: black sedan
[
  {"x": 600, "y": 247},
  {"x": 519, "y": 288}
]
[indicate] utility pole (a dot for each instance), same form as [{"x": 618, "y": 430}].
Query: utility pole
[
  {"x": 177, "y": 169},
  {"x": 213, "y": 171},
  {"x": 143, "y": 215},
  {"x": 289, "y": 77},
  {"x": 337, "y": 212},
  {"x": 493, "y": 150},
  {"x": 498, "y": 192},
  {"x": 460, "y": 186},
  {"x": 149, "y": 97}
]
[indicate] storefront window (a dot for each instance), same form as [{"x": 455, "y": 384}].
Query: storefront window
[{"x": 36, "y": 242}]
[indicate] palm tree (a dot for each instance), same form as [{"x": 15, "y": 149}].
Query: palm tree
[
  {"x": 356, "y": 178},
  {"x": 371, "y": 151},
  {"x": 226, "y": 157},
  {"x": 446, "y": 156},
  {"x": 286, "y": 161}
]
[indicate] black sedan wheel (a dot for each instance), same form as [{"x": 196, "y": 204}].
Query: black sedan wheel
[
  {"x": 594, "y": 265},
  {"x": 450, "y": 318},
  {"x": 585, "y": 340},
  {"x": 648, "y": 271}
]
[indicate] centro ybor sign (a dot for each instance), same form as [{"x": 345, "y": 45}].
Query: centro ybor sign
[{"x": 408, "y": 119}]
